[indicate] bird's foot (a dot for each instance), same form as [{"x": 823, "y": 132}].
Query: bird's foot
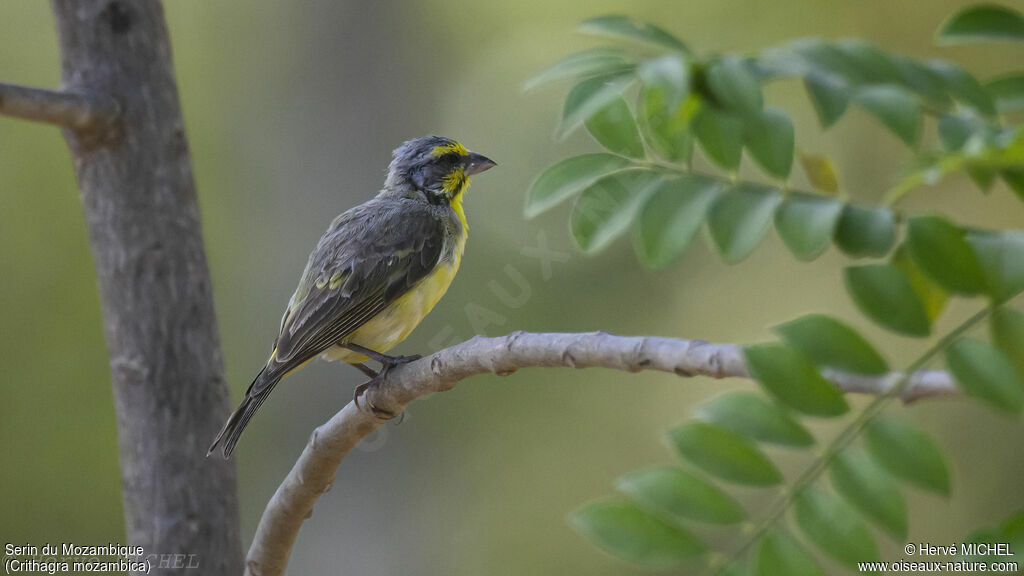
[
  {"x": 375, "y": 381},
  {"x": 386, "y": 364}
]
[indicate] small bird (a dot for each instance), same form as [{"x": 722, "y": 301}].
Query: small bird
[{"x": 375, "y": 274}]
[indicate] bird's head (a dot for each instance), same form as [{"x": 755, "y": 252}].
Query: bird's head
[{"x": 437, "y": 167}]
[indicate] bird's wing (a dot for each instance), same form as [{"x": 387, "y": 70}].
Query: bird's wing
[{"x": 369, "y": 257}]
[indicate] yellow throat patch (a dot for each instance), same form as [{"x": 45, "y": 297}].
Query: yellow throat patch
[{"x": 454, "y": 183}]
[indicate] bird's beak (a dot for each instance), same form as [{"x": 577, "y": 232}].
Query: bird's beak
[{"x": 477, "y": 163}]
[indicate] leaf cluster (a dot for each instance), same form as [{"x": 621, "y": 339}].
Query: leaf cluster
[{"x": 651, "y": 102}]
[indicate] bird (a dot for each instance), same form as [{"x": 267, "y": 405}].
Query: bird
[{"x": 375, "y": 273}]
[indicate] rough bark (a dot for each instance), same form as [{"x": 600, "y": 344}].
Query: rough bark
[
  {"x": 313, "y": 473},
  {"x": 139, "y": 199}
]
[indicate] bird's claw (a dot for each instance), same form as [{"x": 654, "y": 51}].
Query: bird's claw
[
  {"x": 386, "y": 364},
  {"x": 380, "y": 413}
]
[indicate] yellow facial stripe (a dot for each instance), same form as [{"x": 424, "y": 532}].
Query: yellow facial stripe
[
  {"x": 449, "y": 148},
  {"x": 454, "y": 183}
]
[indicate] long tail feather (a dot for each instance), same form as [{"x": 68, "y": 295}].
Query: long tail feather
[{"x": 232, "y": 431}]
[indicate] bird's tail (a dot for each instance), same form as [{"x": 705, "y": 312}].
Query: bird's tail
[{"x": 258, "y": 391}]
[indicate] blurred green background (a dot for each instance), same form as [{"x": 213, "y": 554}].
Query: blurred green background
[{"x": 292, "y": 110}]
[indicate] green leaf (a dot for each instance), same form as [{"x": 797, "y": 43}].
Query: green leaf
[
  {"x": 794, "y": 380},
  {"x": 866, "y": 231},
  {"x": 827, "y": 59},
  {"x": 1007, "y": 327},
  {"x": 740, "y": 218},
  {"x": 896, "y": 108},
  {"x": 615, "y": 128},
  {"x": 1001, "y": 255},
  {"x": 682, "y": 496},
  {"x": 940, "y": 248},
  {"x": 770, "y": 139},
  {"x": 751, "y": 415},
  {"x": 616, "y": 26},
  {"x": 932, "y": 296},
  {"x": 720, "y": 135},
  {"x": 778, "y": 553},
  {"x": 669, "y": 75},
  {"x": 667, "y": 132},
  {"x": 907, "y": 453},
  {"x": 806, "y": 224},
  {"x": 568, "y": 177},
  {"x": 821, "y": 172},
  {"x": 779, "y": 63},
  {"x": 582, "y": 65},
  {"x": 829, "y": 342},
  {"x": 834, "y": 527},
  {"x": 724, "y": 453},
  {"x": 1008, "y": 91},
  {"x": 734, "y": 85},
  {"x": 923, "y": 81},
  {"x": 588, "y": 97},
  {"x": 871, "y": 490},
  {"x": 985, "y": 22},
  {"x": 606, "y": 207},
  {"x": 964, "y": 87},
  {"x": 630, "y": 533},
  {"x": 984, "y": 372},
  {"x": 671, "y": 216},
  {"x": 885, "y": 295},
  {"x": 829, "y": 96},
  {"x": 1014, "y": 178},
  {"x": 955, "y": 130},
  {"x": 872, "y": 64}
]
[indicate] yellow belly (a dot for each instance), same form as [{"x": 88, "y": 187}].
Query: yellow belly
[{"x": 393, "y": 324}]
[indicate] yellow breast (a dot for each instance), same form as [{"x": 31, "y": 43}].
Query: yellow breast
[{"x": 393, "y": 324}]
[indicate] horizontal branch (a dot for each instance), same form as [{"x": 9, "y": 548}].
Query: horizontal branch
[
  {"x": 315, "y": 469},
  {"x": 72, "y": 110}
]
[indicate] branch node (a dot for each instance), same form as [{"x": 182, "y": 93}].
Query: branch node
[
  {"x": 568, "y": 359},
  {"x": 436, "y": 366},
  {"x": 680, "y": 371},
  {"x": 511, "y": 339}
]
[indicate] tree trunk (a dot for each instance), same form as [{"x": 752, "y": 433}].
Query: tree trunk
[{"x": 140, "y": 206}]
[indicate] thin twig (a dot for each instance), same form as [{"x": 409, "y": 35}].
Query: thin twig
[
  {"x": 313, "y": 473},
  {"x": 72, "y": 110}
]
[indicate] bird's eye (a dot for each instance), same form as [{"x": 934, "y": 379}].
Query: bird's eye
[{"x": 448, "y": 160}]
